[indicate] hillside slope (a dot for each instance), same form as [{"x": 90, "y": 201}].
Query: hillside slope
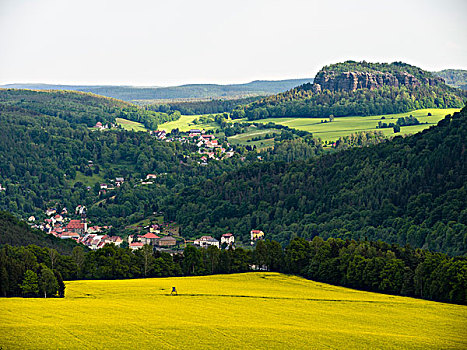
[
  {"x": 131, "y": 93},
  {"x": 454, "y": 77},
  {"x": 78, "y": 107},
  {"x": 17, "y": 233},
  {"x": 359, "y": 88},
  {"x": 408, "y": 190}
]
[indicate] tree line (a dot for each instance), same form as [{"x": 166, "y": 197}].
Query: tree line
[
  {"x": 373, "y": 266},
  {"x": 202, "y": 107}
]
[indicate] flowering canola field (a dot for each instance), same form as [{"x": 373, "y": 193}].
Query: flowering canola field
[{"x": 247, "y": 311}]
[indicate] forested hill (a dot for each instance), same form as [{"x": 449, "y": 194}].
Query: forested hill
[
  {"x": 454, "y": 77},
  {"x": 359, "y": 88},
  {"x": 17, "y": 233},
  {"x": 189, "y": 91},
  {"x": 79, "y": 108},
  {"x": 408, "y": 190}
]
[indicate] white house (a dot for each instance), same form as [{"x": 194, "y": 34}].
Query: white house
[
  {"x": 206, "y": 241},
  {"x": 228, "y": 239}
]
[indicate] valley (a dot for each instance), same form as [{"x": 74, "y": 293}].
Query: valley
[{"x": 329, "y": 131}]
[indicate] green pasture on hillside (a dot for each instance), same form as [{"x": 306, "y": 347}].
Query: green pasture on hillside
[
  {"x": 343, "y": 126},
  {"x": 130, "y": 125}
]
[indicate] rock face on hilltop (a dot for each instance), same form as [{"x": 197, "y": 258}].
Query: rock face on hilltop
[
  {"x": 358, "y": 88},
  {"x": 351, "y": 81}
]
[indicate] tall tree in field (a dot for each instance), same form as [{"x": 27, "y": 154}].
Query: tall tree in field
[
  {"x": 260, "y": 255},
  {"x": 53, "y": 255},
  {"x": 61, "y": 284},
  {"x": 275, "y": 255},
  {"x": 48, "y": 282},
  {"x": 30, "y": 285}
]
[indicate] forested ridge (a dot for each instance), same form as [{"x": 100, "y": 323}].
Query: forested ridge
[
  {"x": 79, "y": 107},
  {"x": 454, "y": 77},
  {"x": 202, "y": 107},
  {"x": 189, "y": 91},
  {"x": 408, "y": 190},
  {"x": 358, "y": 88}
]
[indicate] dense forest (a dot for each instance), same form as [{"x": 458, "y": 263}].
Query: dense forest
[
  {"x": 201, "y": 107},
  {"x": 79, "y": 108},
  {"x": 454, "y": 77},
  {"x": 408, "y": 190},
  {"x": 358, "y": 88},
  {"x": 373, "y": 266}
]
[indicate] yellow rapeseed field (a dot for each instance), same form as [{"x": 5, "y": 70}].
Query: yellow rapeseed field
[{"x": 241, "y": 311}]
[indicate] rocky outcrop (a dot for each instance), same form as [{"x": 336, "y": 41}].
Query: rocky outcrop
[{"x": 351, "y": 81}]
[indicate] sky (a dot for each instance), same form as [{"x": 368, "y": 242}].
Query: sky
[{"x": 172, "y": 42}]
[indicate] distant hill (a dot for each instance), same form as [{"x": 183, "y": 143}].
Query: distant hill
[
  {"x": 409, "y": 190},
  {"x": 454, "y": 77},
  {"x": 17, "y": 233},
  {"x": 359, "y": 88},
  {"x": 79, "y": 108},
  {"x": 190, "y": 91}
]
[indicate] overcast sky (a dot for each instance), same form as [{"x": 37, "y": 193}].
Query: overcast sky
[{"x": 171, "y": 42}]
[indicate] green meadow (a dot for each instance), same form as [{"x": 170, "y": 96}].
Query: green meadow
[
  {"x": 238, "y": 311},
  {"x": 343, "y": 126},
  {"x": 185, "y": 123},
  {"x": 130, "y": 125}
]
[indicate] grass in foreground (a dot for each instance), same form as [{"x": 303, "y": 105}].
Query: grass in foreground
[
  {"x": 130, "y": 125},
  {"x": 248, "y": 311}
]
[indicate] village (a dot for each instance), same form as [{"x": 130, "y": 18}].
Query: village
[
  {"x": 207, "y": 145},
  {"x": 160, "y": 236}
]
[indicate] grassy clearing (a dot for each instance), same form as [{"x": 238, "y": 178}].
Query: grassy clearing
[
  {"x": 130, "y": 125},
  {"x": 245, "y": 138},
  {"x": 185, "y": 123},
  {"x": 344, "y": 126},
  {"x": 87, "y": 180},
  {"x": 247, "y": 311}
]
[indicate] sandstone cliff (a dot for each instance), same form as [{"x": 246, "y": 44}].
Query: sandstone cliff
[{"x": 350, "y": 81}]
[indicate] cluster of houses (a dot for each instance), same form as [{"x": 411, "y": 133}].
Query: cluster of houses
[
  {"x": 151, "y": 239},
  {"x": 160, "y": 242},
  {"x": 208, "y": 146},
  {"x": 58, "y": 225},
  {"x": 104, "y": 187}
]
